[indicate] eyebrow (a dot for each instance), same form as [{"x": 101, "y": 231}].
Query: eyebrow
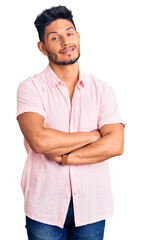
[{"x": 57, "y": 31}]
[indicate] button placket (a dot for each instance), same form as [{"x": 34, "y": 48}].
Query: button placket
[
  {"x": 73, "y": 128},
  {"x": 72, "y": 194}
]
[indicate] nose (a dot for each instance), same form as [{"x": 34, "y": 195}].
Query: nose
[{"x": 65, "y": 41}]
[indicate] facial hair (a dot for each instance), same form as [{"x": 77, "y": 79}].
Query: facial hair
[{"x": 54, "y": 58}]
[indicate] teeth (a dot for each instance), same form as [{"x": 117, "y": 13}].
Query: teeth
[{"x": 69, "y": 50}]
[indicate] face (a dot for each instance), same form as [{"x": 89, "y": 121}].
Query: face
[{"x": 61, "y": 43}]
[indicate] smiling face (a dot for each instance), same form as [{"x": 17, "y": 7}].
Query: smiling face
[{"x": 61, "y": 43}]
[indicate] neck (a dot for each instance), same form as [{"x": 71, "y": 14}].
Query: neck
[{"x": 69, "y": 74}]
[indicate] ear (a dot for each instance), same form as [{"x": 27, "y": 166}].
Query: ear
[
  {"x": 78, "y": 34},
  {"x": 42, "y": 48}
]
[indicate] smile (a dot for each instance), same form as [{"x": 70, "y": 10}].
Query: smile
[{"x": 68, "y": 51}]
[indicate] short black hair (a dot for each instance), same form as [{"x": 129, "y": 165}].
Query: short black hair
[{"x": 50, "y": 15}]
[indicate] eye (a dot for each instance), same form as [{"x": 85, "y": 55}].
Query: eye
[
  {"x": 55, "y": 38},
  {"x": 70, "y": 34}
]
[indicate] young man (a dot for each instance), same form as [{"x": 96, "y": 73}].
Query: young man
[{"x": 71, "y": 126}]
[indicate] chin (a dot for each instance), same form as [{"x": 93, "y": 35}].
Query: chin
[{"x": 69, "y": 62}]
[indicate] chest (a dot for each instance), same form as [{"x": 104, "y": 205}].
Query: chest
[
  {"x": 71, "y": 109},
  {"x": 71, "y": 92}
]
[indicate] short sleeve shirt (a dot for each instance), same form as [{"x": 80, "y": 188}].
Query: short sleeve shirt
[{"x": 47, "y": 185}]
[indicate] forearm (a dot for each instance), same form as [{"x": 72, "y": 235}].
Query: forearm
[
  {"x": 103, "y": 149},
  {"x": 58, "y": 151},
  {"x": 58, "y": 142}
]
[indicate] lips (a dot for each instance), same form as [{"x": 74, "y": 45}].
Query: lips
[{"x": 67, "y": 51}]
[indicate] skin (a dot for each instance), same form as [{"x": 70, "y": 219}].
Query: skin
[
  {"x": 59, "y": 37},
  {"x": 62, "y": 47},
  {"x": 108, "y": 144}
]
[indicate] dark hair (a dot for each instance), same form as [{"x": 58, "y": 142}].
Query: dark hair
[{"x": 50, "y": 15}]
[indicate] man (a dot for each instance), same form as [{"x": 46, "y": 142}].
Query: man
[{"x": 71, "y": 126}]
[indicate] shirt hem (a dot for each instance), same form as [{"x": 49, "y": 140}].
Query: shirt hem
[
  {"x": 78, "y": 224},
  {"x": 41, "y": 220}
]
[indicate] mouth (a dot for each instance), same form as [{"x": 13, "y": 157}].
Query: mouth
[{"x": 67, "y": 51}]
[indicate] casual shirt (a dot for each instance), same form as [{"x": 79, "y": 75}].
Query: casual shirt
[{"x": 46, "y": 184}]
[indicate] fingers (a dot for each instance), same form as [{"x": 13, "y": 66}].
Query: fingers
[{"x": 45, "y": 124}]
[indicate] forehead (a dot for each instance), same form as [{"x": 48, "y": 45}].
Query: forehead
[{"x": 58, "y": 25}]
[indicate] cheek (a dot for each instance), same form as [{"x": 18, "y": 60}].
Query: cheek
[
  {"x": 77, "y": 43},
  {"x": 78, "y": 47},
  {"x": 52, "y": 47}
]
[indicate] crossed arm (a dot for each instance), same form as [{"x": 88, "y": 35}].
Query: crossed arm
[{"x": 84, "y": 147}]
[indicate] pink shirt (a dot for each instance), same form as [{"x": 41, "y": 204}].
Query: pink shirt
[{"x": 47, "y": 185}]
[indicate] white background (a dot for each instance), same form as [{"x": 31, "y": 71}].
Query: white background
[{"x": 111, "y": 50}]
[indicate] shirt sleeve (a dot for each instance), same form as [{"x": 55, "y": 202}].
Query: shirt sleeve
[
  {"x": 109, "y": 113},
  {"x": 29, "y": 99}
]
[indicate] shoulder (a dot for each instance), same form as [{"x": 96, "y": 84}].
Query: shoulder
[
  {"x": 35, "y": 81},
  {"x": 99, "y": 85}
]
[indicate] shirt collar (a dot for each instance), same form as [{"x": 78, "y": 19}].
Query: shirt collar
[{"x": 54, "y": 80}]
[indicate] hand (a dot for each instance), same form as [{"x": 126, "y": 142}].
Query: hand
[
  {"x": 51, "y": 156},
  {"x": 45, "y": 124},
  {"x": 54, "y": 158}
]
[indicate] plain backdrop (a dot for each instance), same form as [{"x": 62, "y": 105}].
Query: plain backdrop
[{"x": 111, "y": 50}]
